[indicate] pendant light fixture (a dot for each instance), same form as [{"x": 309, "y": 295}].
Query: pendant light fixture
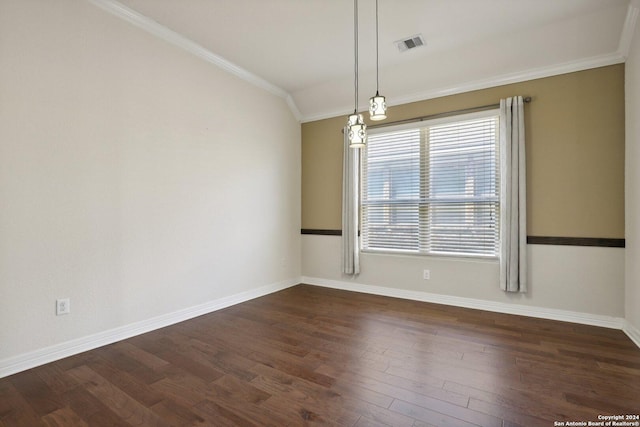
[
  {"x": 377, "y": 103},
  {"x": 356, "y": 128}
]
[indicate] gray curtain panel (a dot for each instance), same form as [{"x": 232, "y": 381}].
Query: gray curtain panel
[
  {"x": 513, "y": 197},
  {"x": 350, "y": 208}
]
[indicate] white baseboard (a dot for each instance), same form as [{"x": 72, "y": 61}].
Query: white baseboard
[
  {"x": 69, "y": 348},
  {"x": 632, "y": 332},
  {"x": 518, "y": 309}
]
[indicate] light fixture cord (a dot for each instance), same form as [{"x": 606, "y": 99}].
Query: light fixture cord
[
  {"x": 355, "y": 42},
  {"x": 377, "y": 61}
]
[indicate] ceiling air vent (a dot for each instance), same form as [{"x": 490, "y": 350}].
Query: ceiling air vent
[{"x": 410, "y": 43}]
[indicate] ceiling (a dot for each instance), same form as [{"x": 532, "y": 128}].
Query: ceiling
[{"x": 303, "y": 49}]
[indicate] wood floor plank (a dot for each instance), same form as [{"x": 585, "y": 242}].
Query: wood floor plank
[
  {"x": 524, "y": 401},
  {"x": 167, "y": 349},
  {"x": 620, "y": 360},
  {"x": 403, "y": 389},
  {"x": 427, "y": 415},
  {"x": 511, "y": 415},
  {"x": 123, "y": 358},
  {"x": 221, "y": 415},
  {"x": 37, "y": 393},
  {"x": 178, "y": 415},
  {"x": 311, "y": 400},
  {"x": 446, "y": 372},
  {"x": 91, "y": 409},
  {"x": 535, "y": 406},
  {"x": 316, "y": 356},
  {"x": 223, "y": 360},
  {"x": 300, "y": 413},
  {"x": 127, "y": 408},
  {"x": 432, "y": 398},
  {"x": 147, "y": 359},
  {"x": 242, "y": 390},
  {"x": 14, "y": 408},
  {"x": 56, "y": 379},
  {"x": 382, "y": 415},
  {"x": 64, "y": 417},
  {"x": 246, "y": 413},
  {"x": 606, "y": 405},
  {"x": 291, "y": 367},
  {"x": 126, "y": 382},
  {"x": 180, "y": 389}
]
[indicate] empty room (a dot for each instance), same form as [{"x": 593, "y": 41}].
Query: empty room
[{"x": 319, "y": 212}]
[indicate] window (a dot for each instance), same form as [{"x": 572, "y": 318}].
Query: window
[{"x": 433, "y": 187}]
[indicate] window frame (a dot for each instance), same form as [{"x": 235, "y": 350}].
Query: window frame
[{"x": 421, "y": 125}]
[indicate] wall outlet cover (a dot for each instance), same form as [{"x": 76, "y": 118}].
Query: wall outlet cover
[{"x": 63, "y": 306}]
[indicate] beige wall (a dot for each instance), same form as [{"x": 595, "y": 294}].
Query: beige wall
[
  {"x": 632, "y": 277},
  {"x": 130, "y": 181},
  {"x": 575, "y": 153},
  {"x": 578, "y": 279}
]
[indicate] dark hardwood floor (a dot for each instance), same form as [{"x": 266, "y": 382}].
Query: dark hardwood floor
[{"x": 310, "y": 355}]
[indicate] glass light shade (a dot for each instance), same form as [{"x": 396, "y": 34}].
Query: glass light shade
[
  {"x": 377, "y": 107},
  {"x": 357, "y": 131}
]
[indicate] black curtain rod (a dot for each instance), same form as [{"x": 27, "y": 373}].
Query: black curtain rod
[{"x": 526, "y": 99}]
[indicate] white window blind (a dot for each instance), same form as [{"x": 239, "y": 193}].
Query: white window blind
[{"x": 433, "y": 188}]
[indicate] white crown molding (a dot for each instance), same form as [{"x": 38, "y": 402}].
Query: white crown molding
[
  {"x": 632, "y": 332},
  {"x": 517, "y": 77},
  {"x": 69, "y": 348},
  {"x": 293, "y": 107},
  {"x": 517, "y": 309},
  {"x": 505, "y": 79},
  {"x": 629, "y": 28},
  {"x": 153, "y": 27},
  {"x": 345, "y": 111},
  {"x": 192, "y": 47}
]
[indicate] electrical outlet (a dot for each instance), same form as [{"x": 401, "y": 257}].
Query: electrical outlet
[
  {"x": 426, "y": 274},
  {"x": 63, "y": 306}
]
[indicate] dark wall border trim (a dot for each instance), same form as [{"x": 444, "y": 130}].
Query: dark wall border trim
[
  {"x": 576, "y": 241},
  {"x": 319, "y": 232},
  {"x": 532, "y": 240}
]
